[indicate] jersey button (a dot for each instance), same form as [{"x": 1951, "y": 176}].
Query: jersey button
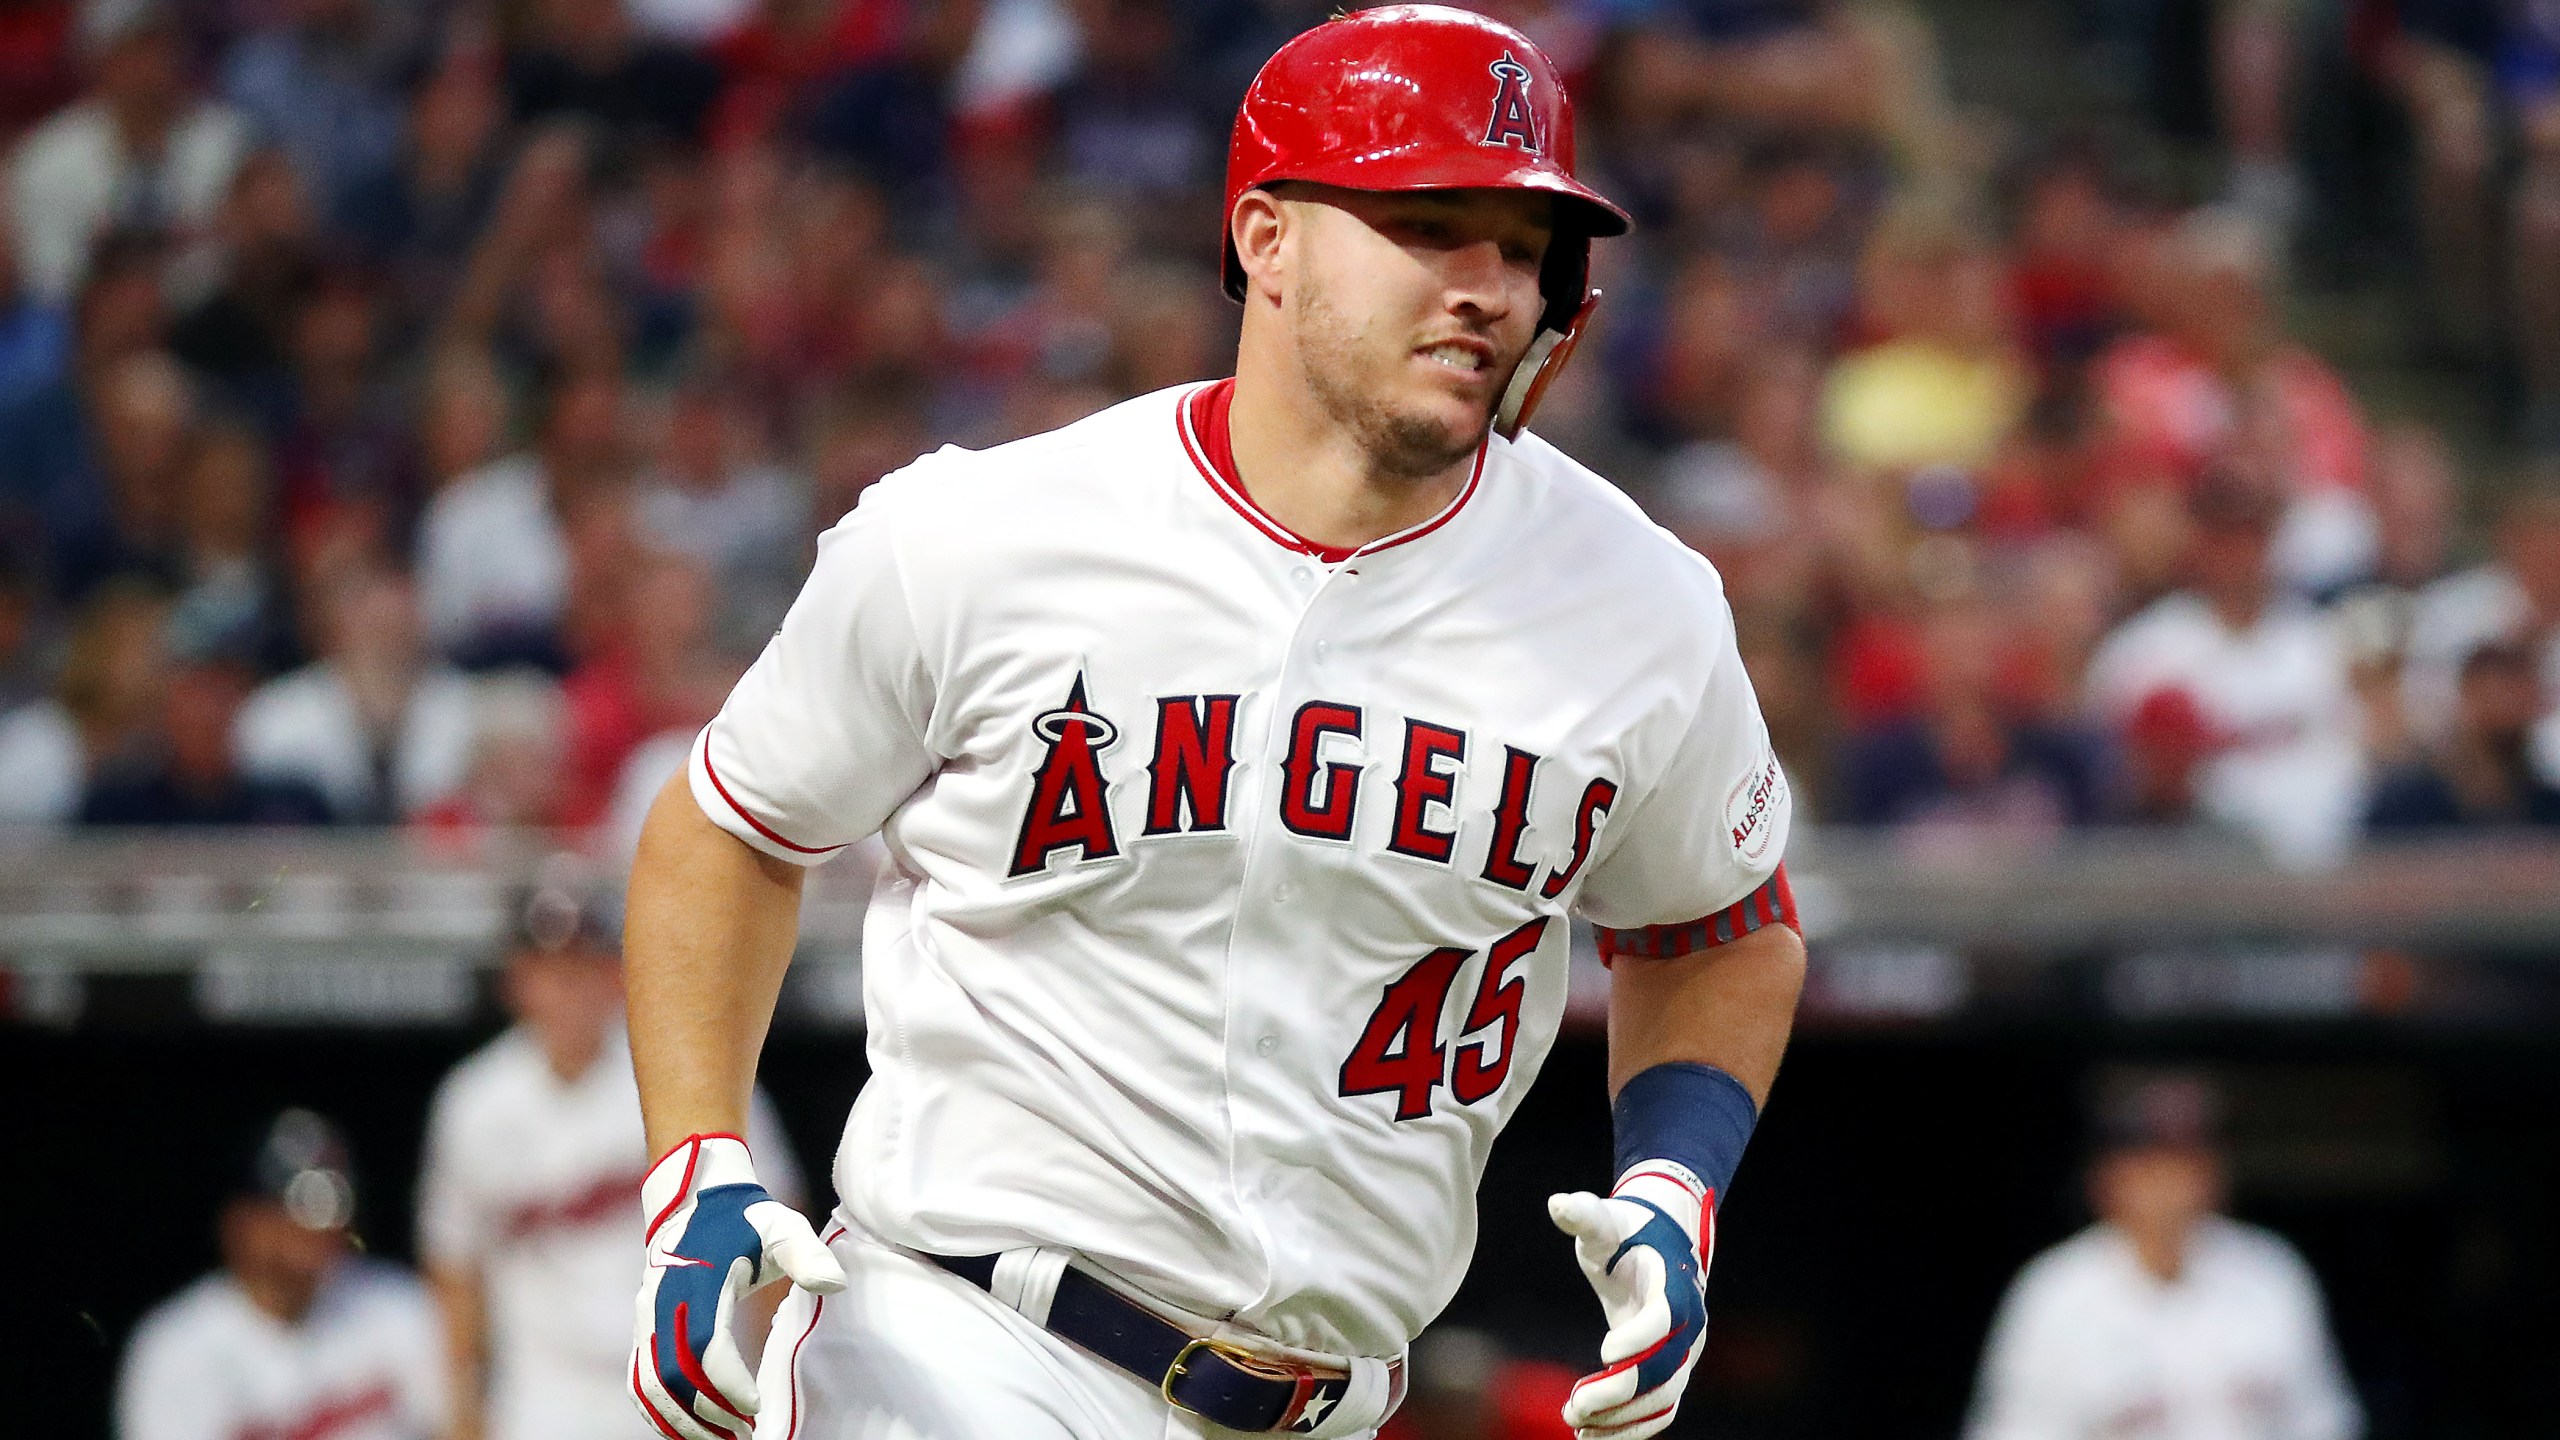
[
  {"x": 1267, "y": 1045},
  {"x": 1323, "y": 649},
  {"x": 1303, "y": 575},
  {"x": 1283, "y": 893}
]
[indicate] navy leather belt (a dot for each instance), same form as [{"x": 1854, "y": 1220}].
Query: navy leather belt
[{"x": 1218, "y": 1383}]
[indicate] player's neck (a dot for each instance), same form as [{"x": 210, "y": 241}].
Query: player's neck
[
  {"x": 2161, "y": 1250},
  {"x": 286, "y": 1300},
  {"x": 570, "y": 1053},
  {"x": 1312, "y": 474}
]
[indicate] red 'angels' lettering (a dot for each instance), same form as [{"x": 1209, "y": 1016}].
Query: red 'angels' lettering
[
  {"x": 1502, "y": 863},
  {"x": 1194, "y": 756},
  {"x": 1326, "y": 815},
  {"x": 1423, "y": 783},
  {"x": 1070, "y": 807},
  {"x": 1190, "y": 773},
  {"x": 1399, "y": 1051},
  {"x": 1597, "y": 797}
]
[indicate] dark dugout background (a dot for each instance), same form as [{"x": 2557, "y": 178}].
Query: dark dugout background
[{"x": 1897, "y": 1183}]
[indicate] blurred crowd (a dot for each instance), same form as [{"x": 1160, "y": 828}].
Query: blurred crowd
[{"x": 418, "y": 411}]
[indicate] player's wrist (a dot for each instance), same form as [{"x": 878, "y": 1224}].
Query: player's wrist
[
  {"x": 1686, "y": 1124},
  {"x": 698, "y": 1137},
  {"x": 1670, "y": 1187},
  {"x": 695, "y": 1164}
]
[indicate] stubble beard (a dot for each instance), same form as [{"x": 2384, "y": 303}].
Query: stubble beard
[{"x": 1400, "y": 445}]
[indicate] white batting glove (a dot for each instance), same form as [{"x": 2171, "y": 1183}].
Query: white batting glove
[
  {"x": 714, "y": 1237},
  {"x": 1645, "y": 1251}
]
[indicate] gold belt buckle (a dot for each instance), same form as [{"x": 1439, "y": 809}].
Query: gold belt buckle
[{"x": 1241, "y": 1359}]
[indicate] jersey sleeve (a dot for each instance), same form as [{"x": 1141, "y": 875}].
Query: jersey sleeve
[
  {"x": 1695, "y": 861},
  {"x": 168, "y": 1388},
  {"x": 2025, "y": 1390},
  {"x": 825, "y": 734},
  {"x": 2318, "y": 1402},
  {"x": 454, "y": 1226}
]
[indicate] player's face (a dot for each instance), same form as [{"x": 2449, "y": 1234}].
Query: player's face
[
  {"x": 276, "y": 1256},
  {"x": 568, "y": 999},
  {"x": 2160, "y": 1190},
  {"x": 1411, "y": 310}
]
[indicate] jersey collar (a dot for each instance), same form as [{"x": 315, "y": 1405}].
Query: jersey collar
[{"x": 1202, "y": 420}]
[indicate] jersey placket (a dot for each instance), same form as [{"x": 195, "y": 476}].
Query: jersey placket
[{"x": 1273, "y": 1027}]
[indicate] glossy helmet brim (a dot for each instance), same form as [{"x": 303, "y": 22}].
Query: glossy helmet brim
[{"x": 1582, "y": 213}]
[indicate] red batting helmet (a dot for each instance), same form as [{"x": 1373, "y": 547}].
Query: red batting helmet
[
  {"x": 1426, "y": 97},
  {"x": 1421, "y": 97}
]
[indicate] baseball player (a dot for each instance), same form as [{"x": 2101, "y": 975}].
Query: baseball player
[
  {"x": 293, "y": 1338},
  {"x": 2163, "y": 1319},
  {"x": 1241, "y": 754},
  {"x": 525, "y": 1219}
]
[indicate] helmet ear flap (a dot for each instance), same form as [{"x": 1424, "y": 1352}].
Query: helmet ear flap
[
  {"x": 1544, "y": 361},
  {"x": 1565, "y": 281}
]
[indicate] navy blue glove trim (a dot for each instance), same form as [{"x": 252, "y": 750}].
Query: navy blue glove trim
[
  {"x": 1684, "y": 1289},
  {"x": 688, "y": 1296},
  {"x": 1695, "y": 1114}
]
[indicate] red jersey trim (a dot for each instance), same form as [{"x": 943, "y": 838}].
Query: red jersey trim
[
  {"x": 761, "y": 828},
  {"x": 1774, "y": 903},
  {"x": 1201, "y": 422}
]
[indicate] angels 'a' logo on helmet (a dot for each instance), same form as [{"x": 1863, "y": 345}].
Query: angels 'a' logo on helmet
[{"x": 1515, "y": 122}]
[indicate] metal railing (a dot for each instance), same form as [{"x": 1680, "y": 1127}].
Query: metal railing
[{"x": 347, "y": 927}]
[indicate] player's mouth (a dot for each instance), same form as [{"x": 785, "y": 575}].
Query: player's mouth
[{"x": 1467, "y": 356}]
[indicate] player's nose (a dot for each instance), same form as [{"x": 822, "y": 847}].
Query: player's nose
[{"x": 1477, "y": 279}]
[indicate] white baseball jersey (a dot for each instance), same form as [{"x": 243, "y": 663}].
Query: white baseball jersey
[
  {"x": 1225, "y": 915},
  {"x": 534, "y": 1184},
  {"x": 2091, "y": 1344},
  {"x": 366, "y": 1363},
  {"x": 2290, "y": 772}
]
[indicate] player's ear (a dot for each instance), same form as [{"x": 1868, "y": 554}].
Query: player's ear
[{"x": 1256, "y": 228}]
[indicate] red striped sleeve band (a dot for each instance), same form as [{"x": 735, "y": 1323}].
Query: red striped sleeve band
[{"x": 1774, "y": 903}]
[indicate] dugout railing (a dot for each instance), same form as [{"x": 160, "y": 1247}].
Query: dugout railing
[{"x": 398, "y": 928}]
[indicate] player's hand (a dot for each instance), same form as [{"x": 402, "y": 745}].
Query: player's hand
[
  {"x": 1645, "y": 1249},
  {"x": 715, "y": 1236}
]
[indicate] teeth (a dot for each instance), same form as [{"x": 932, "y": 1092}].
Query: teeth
[{"x": 1458, "y": 356}]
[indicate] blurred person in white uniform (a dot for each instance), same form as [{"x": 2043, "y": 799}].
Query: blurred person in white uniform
[
  {"x": 295, "y": 1335},
  {"x": 529, "y": 1221},
  {"x": 2268, "y": 675},
  {"x": 2165, "y": 1320}
]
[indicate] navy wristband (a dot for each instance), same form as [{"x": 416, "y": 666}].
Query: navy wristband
[{"x": 1695, "y": 1114}]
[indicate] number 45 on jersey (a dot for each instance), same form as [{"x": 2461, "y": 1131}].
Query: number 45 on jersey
[{"x": 1399, "y": 1052}]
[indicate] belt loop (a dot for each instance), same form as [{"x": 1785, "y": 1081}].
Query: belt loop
[{"x": 1026, "y": 1280}]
